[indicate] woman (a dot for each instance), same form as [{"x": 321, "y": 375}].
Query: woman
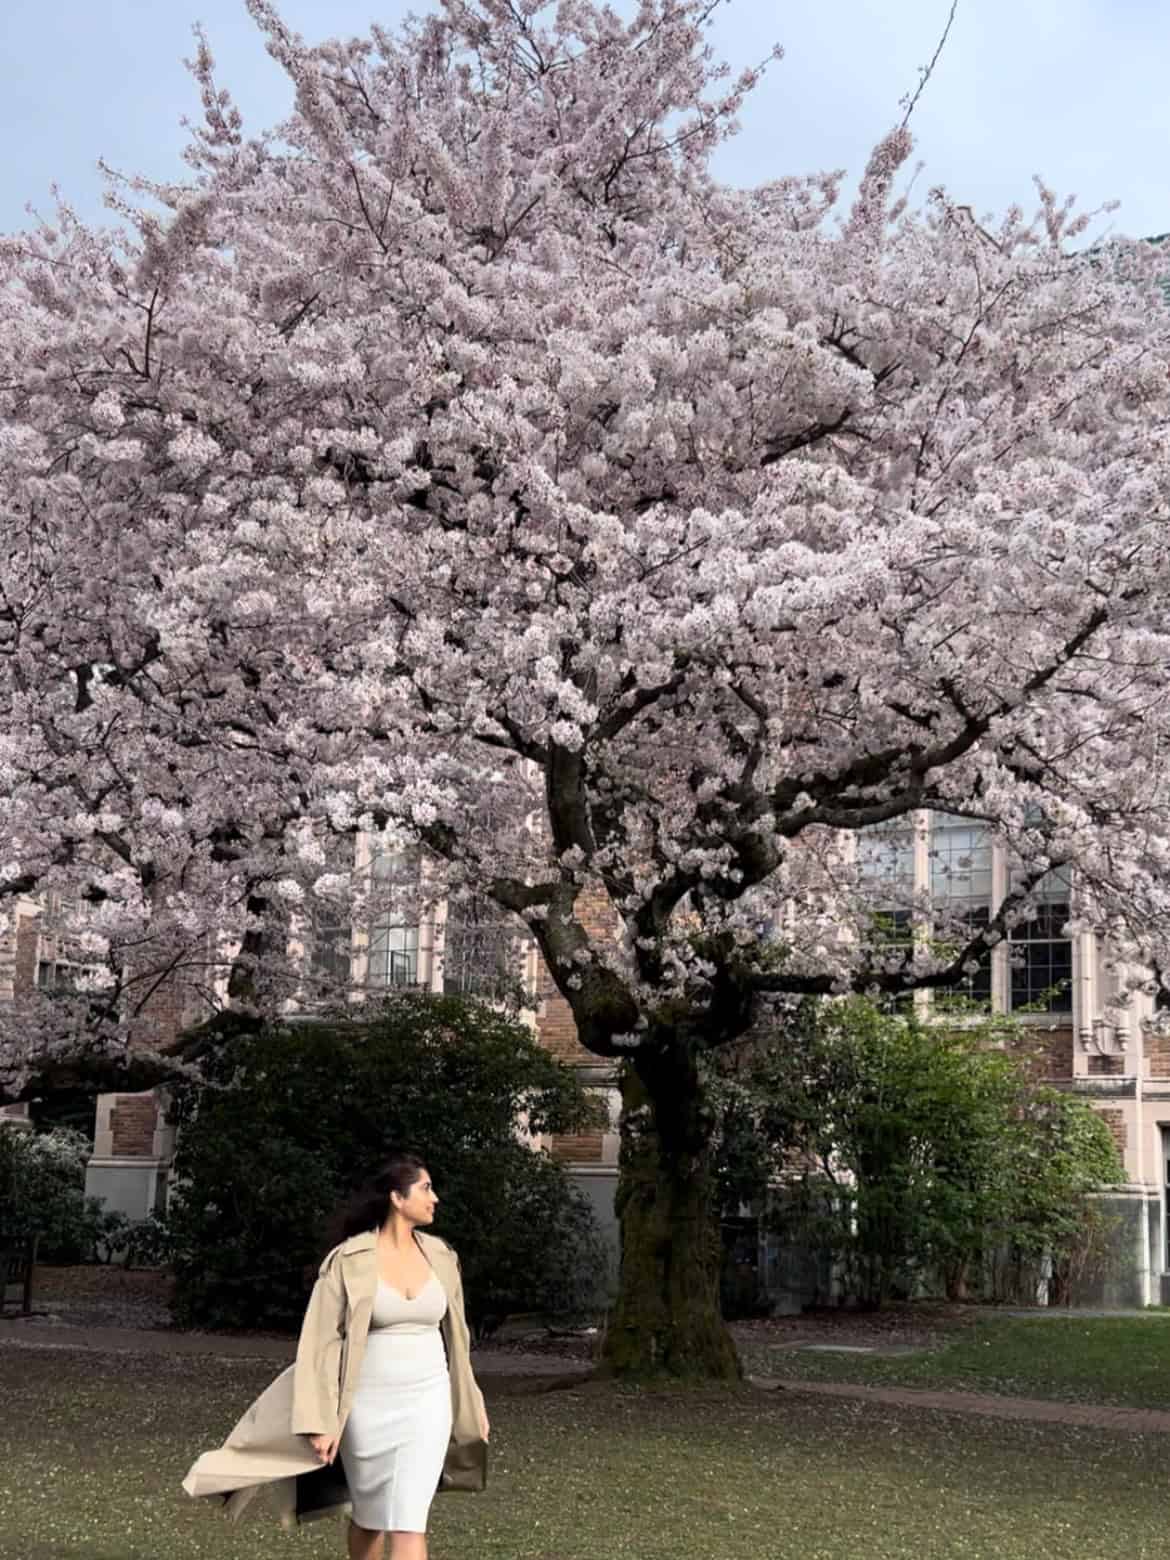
[
  {"x": 382, "y": 1384},
  {"x": 393, "y": 1428}
]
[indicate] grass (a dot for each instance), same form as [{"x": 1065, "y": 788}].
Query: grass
[
  {"x": 1114, "y": 1360},
  {"x": 94, "y": 1446}
]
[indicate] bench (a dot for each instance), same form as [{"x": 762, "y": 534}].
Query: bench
[{"x": 17, "y": 1260}]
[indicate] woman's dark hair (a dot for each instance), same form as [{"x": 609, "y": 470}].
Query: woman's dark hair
[{"x": 369, "y": 1207}]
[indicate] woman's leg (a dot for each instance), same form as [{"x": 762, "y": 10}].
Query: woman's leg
[
  {"x": 366, "y": 1543},
  {"x": 408, "y": 1546}
]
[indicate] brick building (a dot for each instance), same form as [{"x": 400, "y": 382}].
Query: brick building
[
  {"x": 464, "y": 949},
  {"x": 132, "y": 1142},
  {"x": 1062, "y": 987},
  {"x": 1065, "y": 989}
]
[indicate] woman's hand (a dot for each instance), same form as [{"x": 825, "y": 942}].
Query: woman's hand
[
  {"x": 325, "y": 1446},
  {"x": 485, "y": 1428}
]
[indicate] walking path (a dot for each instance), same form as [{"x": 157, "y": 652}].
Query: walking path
[
  {"x": 1093, "y": 1416},
  {"x": 15, "y": 1334}
]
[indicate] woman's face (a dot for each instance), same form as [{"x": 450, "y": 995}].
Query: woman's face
[{"x": 419, "y": 1204}]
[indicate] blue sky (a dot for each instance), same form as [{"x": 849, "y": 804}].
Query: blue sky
[{"x": 1072, "y": 89}]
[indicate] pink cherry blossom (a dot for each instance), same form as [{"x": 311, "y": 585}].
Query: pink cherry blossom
[{"x": 462, "y": 464}]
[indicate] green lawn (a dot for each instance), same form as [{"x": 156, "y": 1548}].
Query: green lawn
[
  {"x": 1117, "y": 1360},
  {"x": 93, "y": 1449}
]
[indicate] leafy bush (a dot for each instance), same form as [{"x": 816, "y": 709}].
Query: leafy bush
[
  {"x": 1061, "y": 1149},
  {"x": 292, "y": 1118},
  {"x": 532, "y": 1242},
  {"x": 148, "y": 1243},
  {"x": 42, "y": 1192},
  {"x": 911, "y": 1151},
  {"x": 111, "y": 1236},
  {"x": 135, "y": 1243}
]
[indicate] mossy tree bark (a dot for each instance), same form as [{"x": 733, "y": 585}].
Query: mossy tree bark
[{"x": 667, "y": 1320}]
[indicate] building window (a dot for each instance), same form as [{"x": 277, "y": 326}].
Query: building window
[
  {"x": 393, "y": 950},
  {"x": 331, "y": 959},
  {"x": 885, "y": 869},
  {"x": 62, "y": 968},
  {"x": 960, "y": 892},
  {"x": 885, "y": 860},
  {"x": 393, "y": 957},
  {"x": 480, "y": 951},
  {"x": 329, "y": 932},
  {"x": 63, "y": 977},
  {"x": 960, "y": 882},
  {"x": 1041, "y": 952}
]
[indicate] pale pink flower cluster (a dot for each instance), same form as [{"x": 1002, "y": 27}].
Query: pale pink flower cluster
[{"x": 465, "y": 461}]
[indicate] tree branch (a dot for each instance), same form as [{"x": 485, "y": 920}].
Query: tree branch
[{"x": 903, "y": 980}]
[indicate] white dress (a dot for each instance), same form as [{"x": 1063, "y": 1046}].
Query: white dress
[{"x": 399, "y": 1427}]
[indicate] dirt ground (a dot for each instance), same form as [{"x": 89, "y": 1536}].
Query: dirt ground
[
  {"x": 102, "y": 1296},
  {"x": 97, "y": 1296},
  {"x": 911, "y": 1326}
]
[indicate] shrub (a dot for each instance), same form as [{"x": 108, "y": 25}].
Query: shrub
[
  {"x": 42, "y": 1192},
  {"x": 531, "y": 1242},
  {"x": 294, "y": 1117},
  {"x": 911, "y": 1151},
  {"x": 1061, "y": 1150},
  {"x": 111, "y": 1236}
]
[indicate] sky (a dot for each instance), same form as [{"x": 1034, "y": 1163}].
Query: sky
[{"x": 1073, "y": 90}]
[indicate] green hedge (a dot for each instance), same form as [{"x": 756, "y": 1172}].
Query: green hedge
[
  {"x": 42, "y": 1192},
  {"x": 292, "y": 1118}
]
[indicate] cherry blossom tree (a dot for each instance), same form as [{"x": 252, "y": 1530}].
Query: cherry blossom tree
[{"x": 463, "y": 466}]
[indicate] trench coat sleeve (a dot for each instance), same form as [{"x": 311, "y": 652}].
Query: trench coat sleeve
[
  {"x": 462, "y": 1338},
  {"x": 317, "y": 1373}
]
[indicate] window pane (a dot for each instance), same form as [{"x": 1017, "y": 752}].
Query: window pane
[
  {"x": 892, "y": 928},
  {"x": 394, "y": 867},
  {"x": 63, "y": 976},
  {"x": 885, "y": 866},
  {"x": 332, "y": 956},
  {"x": 393, "y": 957},
  {"x": 1041, "y": 955},
  {"x": 960, "y": 860},
  {"x": 480, "y": 951},
  {"x": 975, "y": 984},
  {"x": 885, "y": 860},
  {"x": 330, "y": 934},
  {"x": 960, "y": 889},
  {"x": 1054, "y": 887}
]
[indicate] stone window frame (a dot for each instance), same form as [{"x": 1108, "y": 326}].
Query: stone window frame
[
  {"x": 506, "y": 964},
  {"x": 56, "y": 950},
  {"x": 914, "y": 836},
  {"x": 393, "y": 951}
]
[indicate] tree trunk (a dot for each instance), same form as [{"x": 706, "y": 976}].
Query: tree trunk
[
  {"x": 667, "y": 1321},
  {"x": 956, "y": 1276}
]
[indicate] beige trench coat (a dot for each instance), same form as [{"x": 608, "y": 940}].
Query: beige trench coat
[{"x": 314, "y": 1396}]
